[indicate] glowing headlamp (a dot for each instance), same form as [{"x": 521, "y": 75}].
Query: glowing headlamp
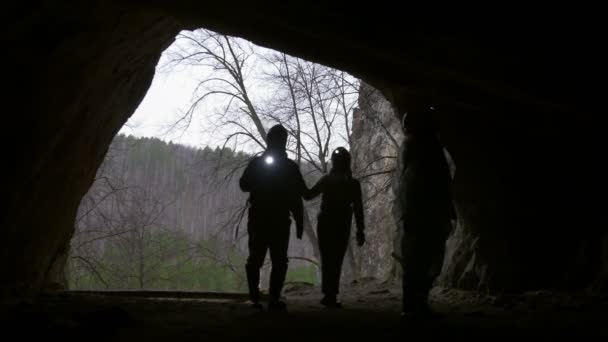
[{"x": 269, "y": 160}]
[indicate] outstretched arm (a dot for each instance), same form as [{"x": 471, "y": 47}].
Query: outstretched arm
[
  {"x": 297, "y": 205},
  {"x": 297, "y": 210},
  {"x": 316, "y": 190},
  {"x": 246, "y": 181},
  {"x": 301, "y": 187}
]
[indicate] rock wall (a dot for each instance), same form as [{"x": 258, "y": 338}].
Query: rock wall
[
  {"x": 499, "y": 242},
  {"x": 376, "y": 134},
  {"x": 78, "y": 71}
]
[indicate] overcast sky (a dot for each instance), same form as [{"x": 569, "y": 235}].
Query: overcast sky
[{"x": 171, "y": 93}]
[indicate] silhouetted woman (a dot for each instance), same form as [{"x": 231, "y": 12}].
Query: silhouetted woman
[{"x": 341, "y": 196}]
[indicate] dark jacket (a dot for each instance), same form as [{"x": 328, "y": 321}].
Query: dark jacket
[
  {"x": 341, "y": 198},
  {"x": 275, "y": 189}
]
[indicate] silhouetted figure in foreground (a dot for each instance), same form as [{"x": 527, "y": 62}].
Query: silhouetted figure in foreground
[
  {"x": 424, "y": 209},
  {"x": 341, "y": 196},
  {"x": 276, "y": 186}
]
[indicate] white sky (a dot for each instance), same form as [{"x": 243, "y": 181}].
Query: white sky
[{"x": 171, "y": 93}]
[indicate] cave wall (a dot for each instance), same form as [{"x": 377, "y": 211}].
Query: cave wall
[
  {"x": 520, "y": 195},
  {"x": 78, "y": 72},
  {"x": 519, "y": 113},
  {"x": 376, "y": 135},
  {"x": 526, "y": 191}
]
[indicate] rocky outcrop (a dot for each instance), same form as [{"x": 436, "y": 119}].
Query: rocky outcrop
[
  {"x": 482, "y": 250},
  {"x": 376, "y": 137}
]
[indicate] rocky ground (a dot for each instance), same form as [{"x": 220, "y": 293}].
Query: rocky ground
[{"x": 371, "y": 310}]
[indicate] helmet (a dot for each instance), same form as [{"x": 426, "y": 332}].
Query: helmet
[{"x": 340, "y": 158}]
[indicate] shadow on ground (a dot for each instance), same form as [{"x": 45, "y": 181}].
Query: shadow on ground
[{"x": 371, "y": 311}]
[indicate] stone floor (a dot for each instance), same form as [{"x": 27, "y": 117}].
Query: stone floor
[{"x": 370, "y": 311}]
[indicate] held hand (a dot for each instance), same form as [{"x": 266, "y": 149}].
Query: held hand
[{"x": 360, "y": 238}]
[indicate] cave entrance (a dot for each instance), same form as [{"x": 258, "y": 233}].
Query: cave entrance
[{"x": 165, "y": 211}]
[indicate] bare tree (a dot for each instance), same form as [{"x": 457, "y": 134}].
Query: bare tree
[
  {"x": 227, "y": 64},
  {"x": 314, "y": 102},
  {"x": 127, "y": 223},
  {"x": 230, "y": 61},
  {"x": 124, "y": 236}
]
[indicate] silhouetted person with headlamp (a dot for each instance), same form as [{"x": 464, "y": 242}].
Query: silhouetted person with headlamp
[
  {"x": 341, "y": 198},
  {"x": 276, "y": 187},
  {"x": 423, "y": 208}
]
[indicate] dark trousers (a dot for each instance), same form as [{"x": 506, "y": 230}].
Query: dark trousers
[
  {"x": 333, "y": 241},
  {"x": 273, "y": 236},
  {"x": 422, "y": 251}
]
